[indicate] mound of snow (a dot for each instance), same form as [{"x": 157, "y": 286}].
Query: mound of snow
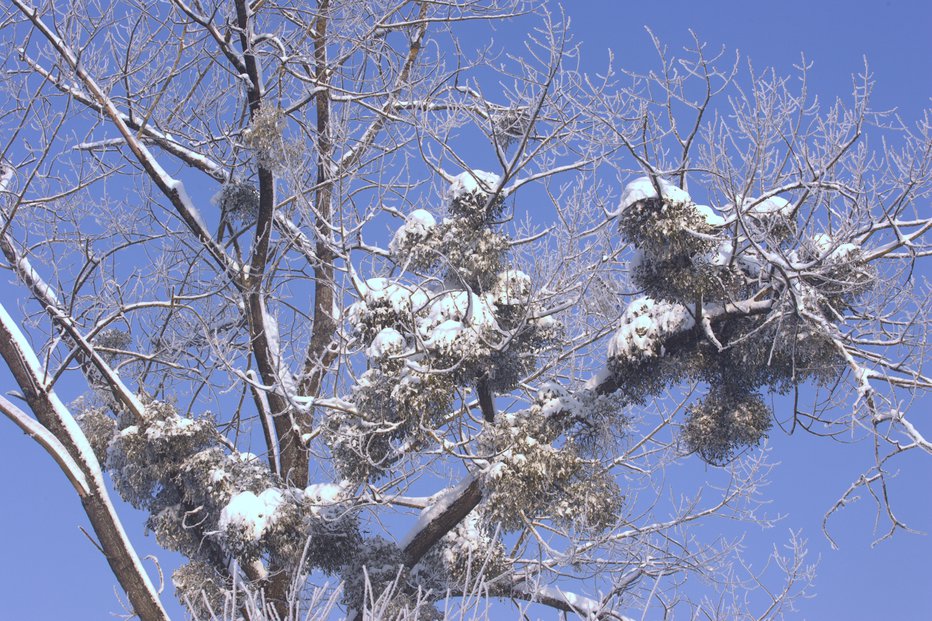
[
  {"x": 645, "y": 323},
  {"x": 252, "y": 514},
  {"x": 417, "y": 227},
  {"x": 462, "y": 306},
  {"x": 511, "y": 287},
  {"x": 387, "y": 342},
  {"x": 831, "y": 249},
  {"x": 711, "y": 218},
  {"x": 401, "y": 299},
  {"x": 643, "y": 188},
  {"x": 472, "y": 181}
]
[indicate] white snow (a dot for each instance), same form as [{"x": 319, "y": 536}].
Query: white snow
[
  {"x": 324, "y": 499},
  {"x": 461, "y": 306},
  {"x": 323, "y": 493},
  {"x": 399, "y": 297},
  {"x": 172, "y": 426},
  {"x": 580, "y": 604},
  {"x": 712, "y": 219},
  {"x": 823, "y": 242},
  {"x": 645, "y": 323},
  {"x": 723, "y": 253},
  {"x": 421, "y": 218},
  {"x": 464, "y": 540},
  {"x": 444, "y": 337},
  {"x": 473, "y": 181},
  {"x": 643, "y": 188},
  {"x": 34, "y": 280},
  {"x": 773, "y": 206},
  {"x": 254, "y": 514},
  {"x": 750, "y": 262},
  {"x": 387, "y": 342},
  {"x": 287, "y": 382},
  {"x": 417, "y": 227},
  {"x": 844, "y": 250},
  {"x": 831, "y": 249},
  {"x": 553, "y": 399},
  {"x": 601, "y": 376}
]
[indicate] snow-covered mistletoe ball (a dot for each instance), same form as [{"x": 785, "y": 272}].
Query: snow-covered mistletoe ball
[
  {"x": 676, "y": 241},
  {"x": 475, "y": 196},
  {"x": 414, "y": 243},
  {"x": 143, "y": 455},
  {"x": 666, "y": 225},
  {"x": 385, "y": 304}
]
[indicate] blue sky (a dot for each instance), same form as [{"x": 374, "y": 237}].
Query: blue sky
[{"x": 51, "y": 571}]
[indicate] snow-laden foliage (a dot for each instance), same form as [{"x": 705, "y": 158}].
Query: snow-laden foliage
[
  {"x": 410, "y": 239},
  {"x": 209, "y": 503},
  {"x": 693, "y": 262},
  {"x": 424, "y": 341},
  {"x": 645, "y": 325},
  {"x": 464, "y": 246},
  {"x": 537, "y": 470},
  {"x": 676, "y": 238}
]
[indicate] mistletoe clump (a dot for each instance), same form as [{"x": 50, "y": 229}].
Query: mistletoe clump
[
  {"x": 480, "y": 327},
  {"x": 695, "y": 263},
  {"x": 213, "y": 505},
  {"x": 724, "y": 422},
  {"x": 675, "y": 239},
  {"x": 265, "y": 137},
  {"x": 238, "y": 200},
  {"x": 537, "y": 472}
]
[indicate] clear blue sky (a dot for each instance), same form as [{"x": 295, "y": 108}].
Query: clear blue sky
[{"x": 50, "y": 570}]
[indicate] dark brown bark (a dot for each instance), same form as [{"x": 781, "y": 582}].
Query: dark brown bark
[
  {"x": 434, "y": 530},
  {"x": 293, "y": 464},
  {"x": 324, "y": 326},
  {"x": 486, "y": 400}
]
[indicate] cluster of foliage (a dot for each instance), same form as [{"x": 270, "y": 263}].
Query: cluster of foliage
[{"x": 694, "y": 262}]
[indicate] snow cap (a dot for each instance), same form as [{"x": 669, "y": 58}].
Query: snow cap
[{"x": 643, "y": 188}]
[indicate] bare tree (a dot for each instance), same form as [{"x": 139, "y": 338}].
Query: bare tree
[{"x": 320, "y": 341}]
